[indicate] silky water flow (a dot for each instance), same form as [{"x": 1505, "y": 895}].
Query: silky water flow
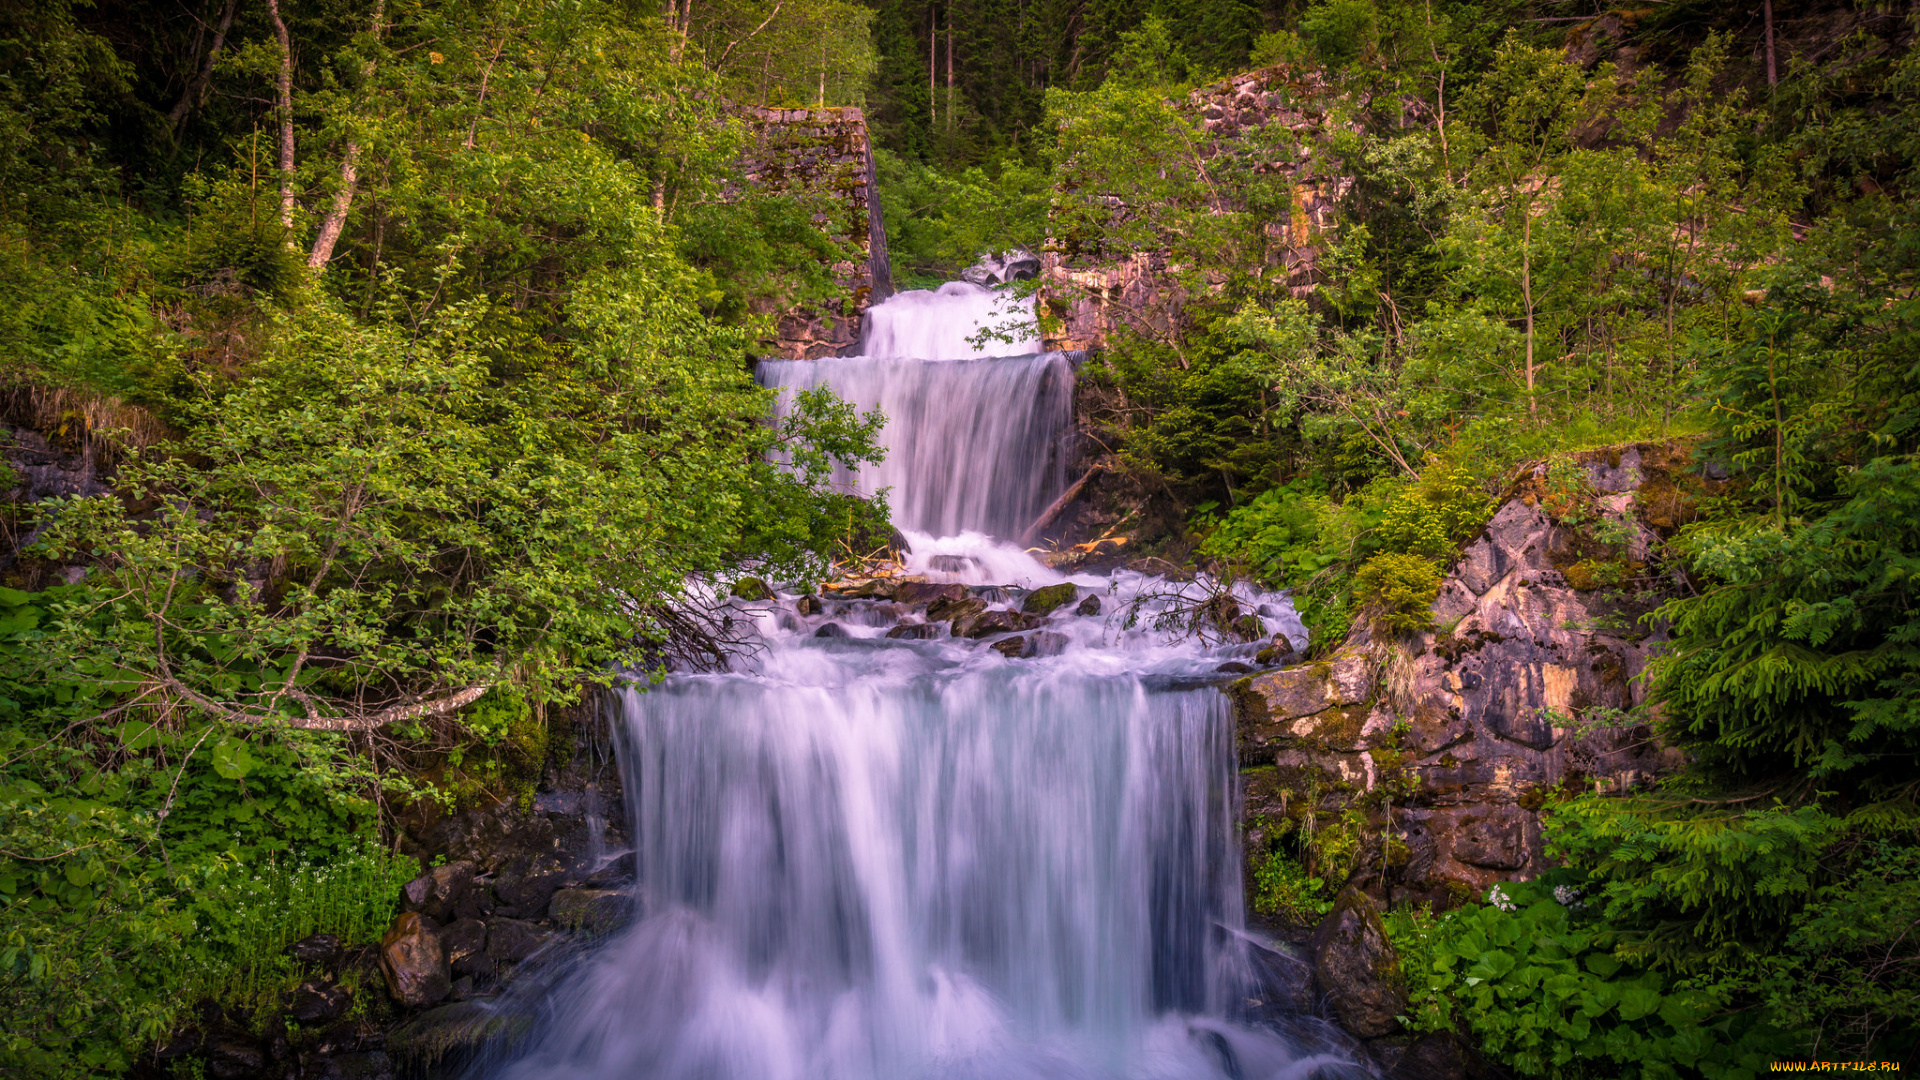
[{"x": 874, "y": 858}]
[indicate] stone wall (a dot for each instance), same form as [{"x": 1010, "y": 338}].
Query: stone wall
[
  {"x": 825, "y": 153},
  {"x": 1087, "y": 295},
  {"x": 1450, "y": 738}
]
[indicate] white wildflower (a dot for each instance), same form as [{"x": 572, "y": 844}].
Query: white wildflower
[{"x": 1499, "y": 899}]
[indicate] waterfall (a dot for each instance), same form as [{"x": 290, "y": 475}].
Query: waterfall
[
  {"x": 874, "y": 854},
  {"x": 974, "y": 443}
]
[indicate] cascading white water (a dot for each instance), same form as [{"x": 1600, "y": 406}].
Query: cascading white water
[
  {"x": 876, "y": 852},
  {"x": 972, "y": 443}
]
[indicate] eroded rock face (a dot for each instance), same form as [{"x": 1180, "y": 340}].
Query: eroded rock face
[{"x": 1470, "y": 720}]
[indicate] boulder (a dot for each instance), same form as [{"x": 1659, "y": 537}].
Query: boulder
[
  {"x": 915, "y": 631},
  {"x": 830, "y": 630},
  {"x": 1434, "y": 1056},
  {"x": 988, "y": 623},
  {"x": 413, "y": 962},
  {"x": 750, "y": 588},
  {"x": 1045, "y": 601},
  {"x": 1089, "y": 606},
  {"x": 596, "y": 911},
  {"x": 1013, "y": 648},
  {"x": 1354, "y": 966},
  {"x": 944, "y": 608},
  {"x": 807, "y": 605},
  {"x": 926, "y": 592},
  {"x": 436, "y": 892},
  {"x": 235, "y": 1056},
  {"x": 524, "y": 895},
  {"x": 509, "y": 941},
  {"x": 461, "y": 939},
  {"x": 315, "y": 1002},
  {"x": 1047, "y": 643}
]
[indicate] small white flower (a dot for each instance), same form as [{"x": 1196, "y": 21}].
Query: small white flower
[{"x": 1499, "y": 899}]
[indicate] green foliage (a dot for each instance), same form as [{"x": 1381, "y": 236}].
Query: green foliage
[
  {"x": 1539, "y": 990},
  {"x": 1281, "y": 889},
  {"x": 1434, "y": 516},
  {"x": 1400, "y": 588}
]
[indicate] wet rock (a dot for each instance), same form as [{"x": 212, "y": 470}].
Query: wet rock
[
  {"x": 952, "y": 564},
  {"x": 988, "y": 623},
  {"x": 1434, "y": 1056},
  {"x": 1089, "y": 606},
  {"x": 524, "y": 895},
  {"x": 319, "y": 949},
  {"x": 944, "y": 608},
  {"x": 233, "y": 1056},
  {"x": 453, "y": 1029},
  {"x": 179, "y": 1046},
  {"x": 1355, "y": 966},
  {"x": 807, "y": 605},
  {"x": 1282, "y": 984},
  {"x": 596, "y": 911},
  {"x": 315, "y": 1002},
  {"x": 1278, "y": 654},
  {"x": 413, "y": 962},
  {"x": 1013, "y": 648},
  {"x": 832, "y": 629},
  {"x": 1157, "y": 567},
  {"x": 1013, "y": 264},
  {"x": 369, "y": 1065},
  {"x": 1048, "y": 643},
  {"x": 750, "y": 588},
  {"x": 509, "y": 941},
  {"x": 476, "y": 903},
  {"x": 927, "y": 592},
  {"x": 915, "y": 631},
  {"x": 1235, "y": 667},
  {"x": 461, "y": 939},
  {"x": 436, "y": 892},
  {"x": 1045, "y": 601}
]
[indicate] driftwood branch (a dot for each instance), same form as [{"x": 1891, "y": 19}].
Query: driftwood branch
[{"x": 1053, "y": 511}]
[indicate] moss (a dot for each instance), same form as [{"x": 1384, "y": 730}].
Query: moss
[{"x": 1045, "y": 601}]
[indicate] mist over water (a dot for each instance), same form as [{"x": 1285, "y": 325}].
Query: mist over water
[{"x": 874, "y": 858}]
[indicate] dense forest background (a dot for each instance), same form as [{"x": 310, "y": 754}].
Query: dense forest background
[{"x": 406, "y": 348}]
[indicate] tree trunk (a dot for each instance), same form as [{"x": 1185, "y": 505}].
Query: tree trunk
[
  {"x": 933, "y": 67},
  {"x": 949, "y": 66},
  {"x": 1526, "y": 298},
  {"x": 336, "y": 219},
  {"x": 197, "y": 86},
  {"x": 1766, "y": 6},
  {"x": 284, "y": 106}
]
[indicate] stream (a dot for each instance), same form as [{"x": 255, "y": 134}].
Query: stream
[{"x": 875, "y": 851}]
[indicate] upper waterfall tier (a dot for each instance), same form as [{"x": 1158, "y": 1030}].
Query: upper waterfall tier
[
  {"x": 975, "y": 439},
  {"x": 944, "y": 324}
]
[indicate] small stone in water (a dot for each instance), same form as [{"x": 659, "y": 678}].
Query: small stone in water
[
  {"x": 952, "y": 564},
  {"x": 1089, "y": 606},
  {"x": 807, "y": 605},
  {"x": 1013, "y": 648},
  {"x": 832, "y": 629},
  {"x": 1235, "y": 667},
  {"x": 915, "y": 631}
]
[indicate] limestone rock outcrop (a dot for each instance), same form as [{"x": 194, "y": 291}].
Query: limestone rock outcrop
[{"x": 1525, "y": 682}]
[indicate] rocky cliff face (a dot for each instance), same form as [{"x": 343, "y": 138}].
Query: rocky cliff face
[
  {"x": 824, "y": 154},
  {"x": 1450, "y": 738}
]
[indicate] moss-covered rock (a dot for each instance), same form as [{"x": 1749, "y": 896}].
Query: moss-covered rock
[
  {"x": 1045, "y": 601},
  {"x": 751, "y": 588}
]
